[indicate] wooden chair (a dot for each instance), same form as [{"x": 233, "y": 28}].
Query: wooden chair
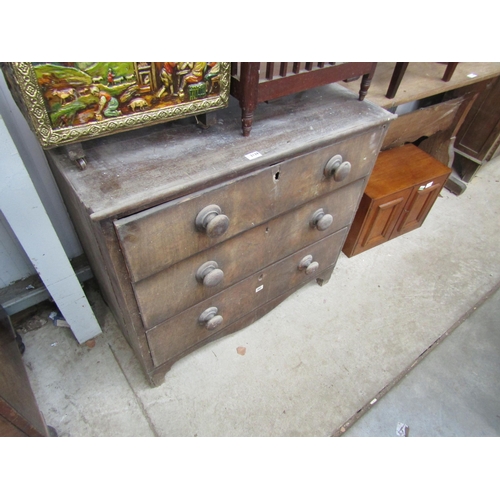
[
  {"x": 400, "y": 70},
  {"x": 256, "y": 82}
]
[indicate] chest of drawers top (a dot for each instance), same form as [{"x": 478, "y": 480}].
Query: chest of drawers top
[{"x": 136, "y": 170}]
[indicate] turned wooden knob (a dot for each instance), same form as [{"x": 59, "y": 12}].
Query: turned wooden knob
[
  {"x": 320, "y": 220},
  {"x": 210, "y": 319},
  {"x": 337, "y": 168},
  {"x": 209, "y": 274},
  {"x": 212, "y": 221},
  {"x": 308, "y": 265}
]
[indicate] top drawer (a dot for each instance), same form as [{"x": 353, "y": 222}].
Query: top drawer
[{"x": 158, "y": 237}]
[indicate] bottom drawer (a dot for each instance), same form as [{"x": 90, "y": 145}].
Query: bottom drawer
[{"x": 171, "y": 338}]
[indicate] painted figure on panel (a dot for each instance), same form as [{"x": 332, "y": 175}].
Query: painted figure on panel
[
  {"x": 108, "y": 105},
  {"x": 84, "y": 92},
  {"x": 167, "y": 77}
]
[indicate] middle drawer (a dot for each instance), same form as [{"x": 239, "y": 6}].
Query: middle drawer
[{"x": 205, "y": 274}]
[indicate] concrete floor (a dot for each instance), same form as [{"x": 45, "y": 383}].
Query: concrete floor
[
  {"x": 316, "y": 362},
  {"x": 452, "y": 392}
]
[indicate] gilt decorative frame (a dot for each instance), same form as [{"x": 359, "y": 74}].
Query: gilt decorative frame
[{"x": 66, "y": 103}]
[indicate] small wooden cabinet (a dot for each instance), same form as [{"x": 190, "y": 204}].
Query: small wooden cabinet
[
  {"x": 194, "y": 234},
  {"x": 402, "y": 189}
]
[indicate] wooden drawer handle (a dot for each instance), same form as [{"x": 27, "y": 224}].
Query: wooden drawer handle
[
  {"x": 320, "y": 220},
  {"x": 210, "y": 319},
  {"x": 308, "y": 265},
  {"x": 212, "y": 221},
  {"x": 209, "y": 274},
  {"x": 337, "y": 168}
]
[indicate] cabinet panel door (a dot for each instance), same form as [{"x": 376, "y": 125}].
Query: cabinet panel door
[
  {"x": 382, "y": 219},
  {"x": 418, "y": 206}
]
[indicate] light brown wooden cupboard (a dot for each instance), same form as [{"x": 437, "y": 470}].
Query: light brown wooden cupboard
[{"x": 402, "y": 189}]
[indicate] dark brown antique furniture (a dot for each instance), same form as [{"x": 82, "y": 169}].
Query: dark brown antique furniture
[
  {"x": 256, "y": 82},
  {"x": 19, "y": 413},
  {"x": 443, "y": 107},
  {"x": 478, "y": 140},
  {"x": 400, "y": 69},
  {"x": 194, "y": 234},
  {"x": 402, "y": 189}
]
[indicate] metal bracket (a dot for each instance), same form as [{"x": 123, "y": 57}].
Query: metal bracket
[{"x": 75, "y": 153}]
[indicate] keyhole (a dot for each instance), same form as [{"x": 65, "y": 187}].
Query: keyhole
[{"x": 277, "y": 176}]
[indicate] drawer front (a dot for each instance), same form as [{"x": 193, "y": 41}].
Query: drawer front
[
  {"x": 157, "y": 238},
  {"x": 185, "y": 330},
  {"x": 176, "y": 288}
]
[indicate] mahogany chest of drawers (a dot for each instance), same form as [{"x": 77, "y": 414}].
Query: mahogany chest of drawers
[
  {"x": 402, "y": 189},
  {"x": 195, "y": 233}
]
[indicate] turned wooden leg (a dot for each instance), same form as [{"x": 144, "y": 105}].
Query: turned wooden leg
[
  {"x": 246, "y": 122},
  {"x": 366, "y": 82},
  {"x": 397, "y": 76},
  {"x": 249, "y": 81}
]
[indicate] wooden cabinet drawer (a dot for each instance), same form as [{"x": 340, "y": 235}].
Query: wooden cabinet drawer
[
  {"x": 183, "y": 331},
  {"x": 156, "y": 238},
  {"x": 174, "y": 289}
]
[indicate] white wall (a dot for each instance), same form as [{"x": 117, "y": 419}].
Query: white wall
[{"x": 14, "y": 263}]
